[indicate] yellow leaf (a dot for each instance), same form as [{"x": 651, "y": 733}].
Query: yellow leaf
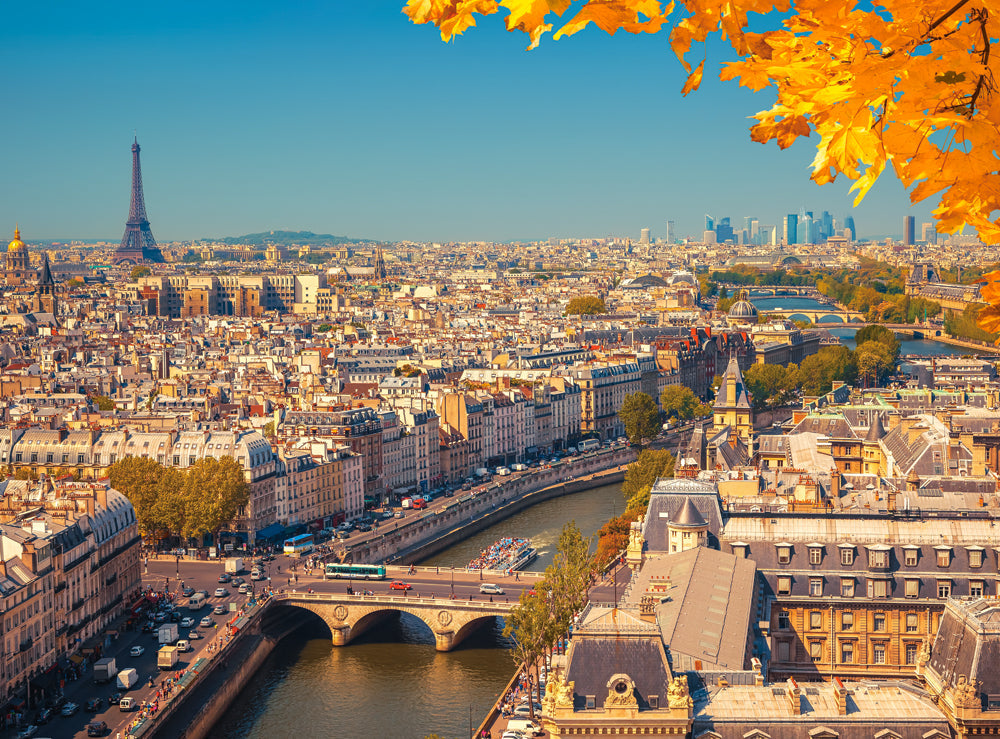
[
  {"x": 989, "y": 319},
  {"x": 529, "y": 16},
  {"x": 694, "y": 79}
]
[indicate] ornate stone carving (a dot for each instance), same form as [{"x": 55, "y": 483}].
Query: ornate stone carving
[
  {"x": 444, "y": 618},
  {"x": 966, "y": 694},
  {"x": 925, "y": 653},
  {"x": 340, "y": 611},
  {"x": 677, "y": 693},
  {"x": 621, "y": 692}
]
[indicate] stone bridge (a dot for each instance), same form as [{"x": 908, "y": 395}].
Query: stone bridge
[
  {"x": 349, "y": 616},
  {"x": 817, "y": 315}
]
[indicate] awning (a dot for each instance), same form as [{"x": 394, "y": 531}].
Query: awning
[
  {"x": 76, "y": 659},
  {"x": 271, "y": 531}
]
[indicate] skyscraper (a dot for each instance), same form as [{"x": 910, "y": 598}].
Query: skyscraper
[
  {"x": 709, "y": 223},
  {"x": 791, "y": 227},
  {"x": 849, "y": 226},
  {"x": 928, "y": 233},
  {"x": 670, "y": 232},
  {"x": 908, "y": 229},
  {"x": 644, "y": 236},
  {"x": 804, "y": 229}
]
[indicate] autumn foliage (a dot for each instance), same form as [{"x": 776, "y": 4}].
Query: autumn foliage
[{"x": 898, "y": 83}]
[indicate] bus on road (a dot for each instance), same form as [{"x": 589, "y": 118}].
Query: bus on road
[
  {"x": 299, "y": 545},
  {"x": 336, "y": 571},
  {"x": 589, "y": 445}
]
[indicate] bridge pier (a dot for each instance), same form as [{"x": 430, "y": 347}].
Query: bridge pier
[
  {"x": 341, "y": 635},
  {"x": 444, "y": 641}
]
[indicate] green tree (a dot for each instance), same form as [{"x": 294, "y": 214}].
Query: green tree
[
  {"x": 103, "y": 403},
  {"x": 529, "y": 628},
  {"x": 651, "y": 465},
  {"x": 138, "y": 479},
  {"x": 26, "y": 473},
  {"x": 214, "y": 490},
  {"x": 771, "y": 384},
  {"x": 585, "y": 305},
  {"x": 679, "y": 401},
  {"x": 141, "y": 271},
  {"x": 170, "y": 513},
  {"x": 875, "y": 362},
  {"x": 640, "y": 416},
  {"x": 831, "y": 363},
  {"x": 880, "y": 334},
  {"x": 323, "y": 328},
  {"x": 268, "y": 430}
]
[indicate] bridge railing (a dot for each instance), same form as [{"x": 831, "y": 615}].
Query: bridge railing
[
  {"x": 393, "y": 599},
  {"x": 418, "y": 569}
]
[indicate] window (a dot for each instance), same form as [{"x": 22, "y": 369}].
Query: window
[
  {"x": 912, "y": 588},
  {"x": 911, "y": 654},
  {"x": 847, "y": 653},
  {"x": 943, "y": 557},
  {"x": 878, "y": 654},
  {"x": 815, "y": 555},
  {"x": 784, "y": 586},
  {"x": 816, "y": 650},
  {"x": 847, "y": 587},
  {"x": 847, "y": 556},
  {"x": 815, "y": 586},
  {"x": 816, "y": 620},
  {"x": 878, "y": 558},
  {"x": 912, "y": 623},
  {"x": 878, "y": 622},
  {"x": 847, "y": 621},
  {"x": 944, "y": 588},
  {"x": 784, "y": 554},
  {"x": 976, "y": 588},
  {"x": 783, "y": 651},
  {"x": 975, "y": 558},
  {"x": 878, "y": 588},
  {"x": 910, "y": 557},
  {"x": 783, "y": 620}
]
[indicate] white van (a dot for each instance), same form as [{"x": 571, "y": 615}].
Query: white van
[
  {"x": 196, "y": 601},
  {"x": 525, "y": 726},
  {"x": 183, "y": 645}
]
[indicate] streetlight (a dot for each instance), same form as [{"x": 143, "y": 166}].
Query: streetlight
[{"x": 178, "y": 567}]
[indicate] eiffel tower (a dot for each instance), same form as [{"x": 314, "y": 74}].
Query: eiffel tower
[{"x": 138, "y": 244}]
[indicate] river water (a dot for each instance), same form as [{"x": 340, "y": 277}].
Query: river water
[
  {"x": 846, "y": 333},
  {"x": 391, "y": 682}
]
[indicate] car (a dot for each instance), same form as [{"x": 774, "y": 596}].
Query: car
[
  {"x": 364, "y": 527},
  {"x": 512, "y": 735},
  {"x": 159, "y": 617},
  {"x": 187, "y": 591},
  {"x": 237, "y": 581},
  {"x": 43, "y": 716},
  {"x": 399, "y": 585},
  {"x": 27, "y": 732},
  {"x": 114, "y": 698},
  {"x": 137, "y": 651},
  {"x": 525, "y": 710},
  {"x": 399, "y": 514},
  {"x": 221, "y": 592},
  {"x": 94, "y": 705},
  {"x": 194, "y": 634},
  {"x": 148, "y": 627},
  {"x": 206, "y": 622},
  {"x": 187, "y": 622},
  {"x": 244, "y": 588},
  {"x": 224, "y": 578},
  {"x": 342, "y": 534},
  {"x": 126, "y": 704},
  {"x": 175, "y": 616},
  {"x": 490, "y": 589},
  {"x": 69, "y": 709},
  {"x": 268, "y": 557},
  {"x": 218, "y": 611},
  {"x": 97, "y": 728}
]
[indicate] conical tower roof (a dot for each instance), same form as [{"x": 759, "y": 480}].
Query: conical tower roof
[
  {"x": 689, "y": 516},
  {"x": 876, "y": 431},
  {"x": 45, "y": 278},
  {"x": 740, "y": 397}
]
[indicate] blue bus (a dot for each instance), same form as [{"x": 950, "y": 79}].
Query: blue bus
[
  {"x": 356, "y": 572},
  {"x": 299, "y": 545}
]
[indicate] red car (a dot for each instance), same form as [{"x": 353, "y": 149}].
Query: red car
[{"x": 399, "y": 585}]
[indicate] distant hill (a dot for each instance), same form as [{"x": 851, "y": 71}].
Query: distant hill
[{"x": 288, "y": 238}]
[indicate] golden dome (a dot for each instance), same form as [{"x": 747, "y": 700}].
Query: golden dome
[{"x": 16, "y": 244}]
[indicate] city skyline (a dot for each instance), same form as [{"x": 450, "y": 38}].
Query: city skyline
[{"x": 352, "y": 121}]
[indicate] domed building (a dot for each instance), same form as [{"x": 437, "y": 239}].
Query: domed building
[
  {"x": 742, "y": 312},
  {"x": 17, "y": 264}
]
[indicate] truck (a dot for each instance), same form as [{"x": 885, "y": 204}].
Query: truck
[
  {"x": 482, "y": 472},
  {"x": 166, "y": 658},
  {"x": 105, "y": 670},
  {"x": 407, "y": 503},
  {"x": 167, "y": 633},
  {"x": 234, "y": 565},
  {"x": 127, "y": 678}
]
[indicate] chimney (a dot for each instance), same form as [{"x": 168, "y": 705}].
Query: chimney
[
  {"x": 794, "y": 697},
  {"x": 101, "y": 494},
  {"x": 890, "y": 497},
  {"x": 840, "y": 695},
  {"x": 834, "y": 483}
]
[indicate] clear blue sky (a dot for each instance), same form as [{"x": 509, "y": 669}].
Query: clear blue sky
[{"x": 343, "y": 117}]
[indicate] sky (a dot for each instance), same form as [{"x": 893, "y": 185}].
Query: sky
[{"x": 345, "y": 118}]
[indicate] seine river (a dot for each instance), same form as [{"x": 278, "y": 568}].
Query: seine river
[
  {"x": 392, "y": 682},
  {"x": 846, "y": 334}
]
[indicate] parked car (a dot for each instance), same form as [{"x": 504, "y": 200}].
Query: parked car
[
  {"x": 400, "y": 585},
  {"x": 490, "y": 589},
  {"x": 27, "y": 732},
  {"x": 137, "y": 650},
  {"x": 69, "y": 709}
]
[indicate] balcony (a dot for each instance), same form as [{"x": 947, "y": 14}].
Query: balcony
[
  {"x": 25, "y": 644},
  {"x": 77, "y": 604}
]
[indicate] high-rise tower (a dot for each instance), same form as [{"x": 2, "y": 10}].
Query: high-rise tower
[{"x": 138, "y": 244}]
